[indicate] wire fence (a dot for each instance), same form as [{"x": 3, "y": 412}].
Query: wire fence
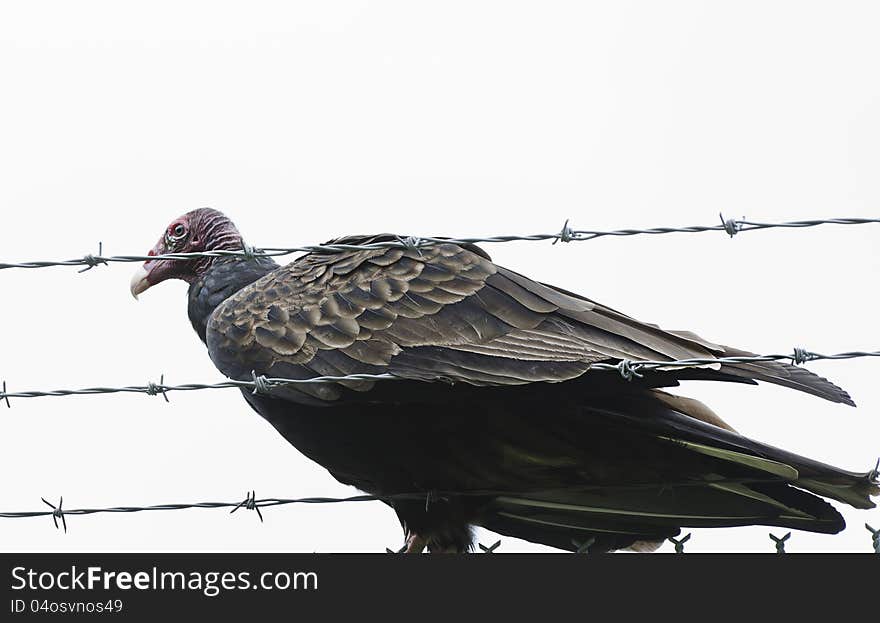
[
  {"x": 251, "y": 502},
  {"x": 261, "y": 384},
  {"x": 627, "y": 368},
  {"x": 731, "y": 227}
]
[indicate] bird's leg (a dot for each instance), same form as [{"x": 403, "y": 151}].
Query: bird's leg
[{"x": 414, "y": 544}]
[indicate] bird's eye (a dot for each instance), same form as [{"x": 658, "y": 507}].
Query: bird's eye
[{"x": 179, "y": 230}]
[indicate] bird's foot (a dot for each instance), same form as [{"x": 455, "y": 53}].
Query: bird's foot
[{"x": 415, "y": 544}]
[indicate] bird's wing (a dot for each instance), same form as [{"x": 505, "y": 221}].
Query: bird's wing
[{"x": 442, "y": 312}]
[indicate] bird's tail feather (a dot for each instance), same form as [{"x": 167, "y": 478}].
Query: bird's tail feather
[
  {"x": 694, "y": 431},
  {"x": 786, "y": 375},
  {"x": 776, "y": 372},
  {"x": 619, "y": 518},
  {"x": 747, "y": 483}
]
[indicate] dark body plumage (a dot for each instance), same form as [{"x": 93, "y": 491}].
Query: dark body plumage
[{"x": 518, "y": 438}]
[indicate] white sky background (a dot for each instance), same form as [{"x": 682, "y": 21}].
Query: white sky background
[{"x": 305, "y": 121}]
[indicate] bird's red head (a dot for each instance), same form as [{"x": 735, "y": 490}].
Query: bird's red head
[{"x": 204, "y": 229}]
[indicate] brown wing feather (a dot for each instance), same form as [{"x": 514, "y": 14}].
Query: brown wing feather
[{"x": 444, "y": 311}]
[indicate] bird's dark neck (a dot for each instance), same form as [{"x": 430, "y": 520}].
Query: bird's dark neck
[{"x": 222, "y": 279}]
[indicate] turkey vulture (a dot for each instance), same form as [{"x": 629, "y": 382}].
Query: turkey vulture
[{"x": 512, "y": 433}]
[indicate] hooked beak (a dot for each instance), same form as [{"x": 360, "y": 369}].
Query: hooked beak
[{"x": 139, "y": 282}]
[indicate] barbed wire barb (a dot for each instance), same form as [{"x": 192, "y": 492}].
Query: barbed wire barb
[
  {"x": 154, "y": 389},
  {"x": 249, "y": 252},
  {"x": 679, "y": 543},
  {"x": 780, "y": 542},
  {"x": 730, "y": 226},
  {"x": 261, "y": 383},
  {"x": 402, "y": 550},
  {"x": 874, "y": 474},
  {"x": 583, "y": 547},
  {"x": 94, "y": 260},
  {"x": 413, "y": 243},
  {"x": 566, "y": 234},
  {"x": 801, "y": 356},
  {"x": 250, "y": 503},
  {"x": 875, "y": 538},
  {"x": 57, "y": 513},
  {"x": 629, "y": 369}
]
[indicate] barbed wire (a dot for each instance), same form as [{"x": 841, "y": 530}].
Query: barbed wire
[
  {"x": 251, "y": 502},
  {"x": 260, "y": 384},
  {"x": 629, "y": 368},
  {"x": 731, "y": 227}
]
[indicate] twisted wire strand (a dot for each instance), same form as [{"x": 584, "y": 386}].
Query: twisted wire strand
[
  {"x": 252, "y": 502},
  {"x": 566, "y": 234},
  {"x": 261, "y": 384},
  {"x": 629, "y": 367},
  {"x": 257, "y": 503}
]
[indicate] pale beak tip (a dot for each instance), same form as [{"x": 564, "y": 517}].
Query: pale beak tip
[{"x": 139, "y": 282}]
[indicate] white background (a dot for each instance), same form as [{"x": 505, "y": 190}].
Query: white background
[{"x": 305, "y": 121}]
